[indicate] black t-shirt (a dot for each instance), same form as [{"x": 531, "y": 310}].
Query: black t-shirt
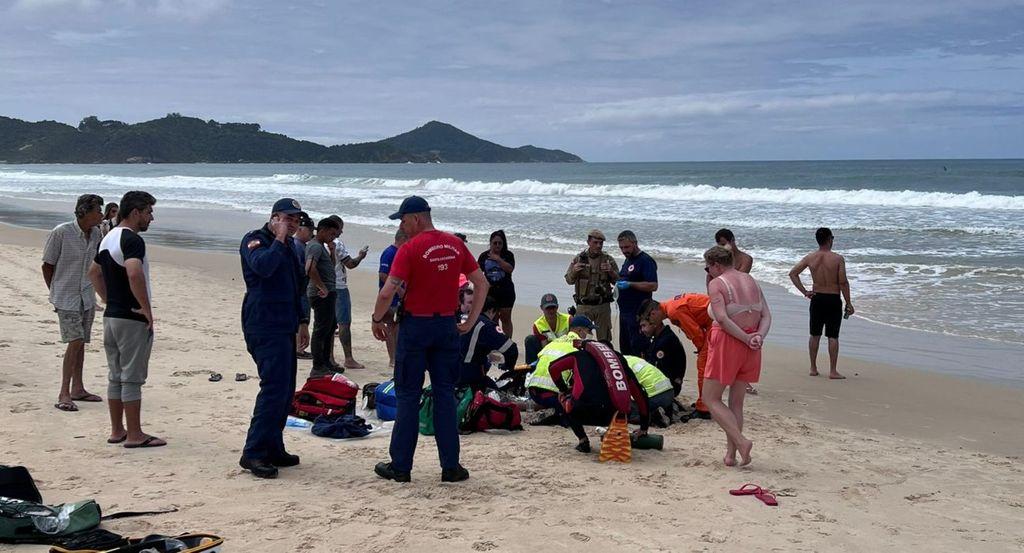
[
  {"x": 118, "y": 246},
  {"x": 667, "y": 353},
  {"x": 496, "y": 276}
]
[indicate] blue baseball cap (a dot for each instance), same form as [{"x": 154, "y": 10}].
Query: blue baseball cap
[
  {"x": 287, "y": 206},
  {"x": 581, "y": 320},
  {"x": 412, "y": 204}
]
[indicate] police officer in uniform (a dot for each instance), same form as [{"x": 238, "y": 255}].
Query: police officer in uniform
[
  {"x": 593, "y": 272},
  {"x": 271, "y": 311},
  {"x": 428, "y": 268}
]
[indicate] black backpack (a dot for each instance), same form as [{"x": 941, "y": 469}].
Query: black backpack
[{"x": 17, "y": 483}]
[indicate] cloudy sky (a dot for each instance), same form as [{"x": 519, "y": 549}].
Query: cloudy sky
[{"x": 610, "y": 81}]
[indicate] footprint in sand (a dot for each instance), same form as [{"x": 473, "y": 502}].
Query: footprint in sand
[
  {"x": 921, "y": 497},
  {"x": 24, "y": 407},
  {"x": 484, "y": 546},
  {"x": 579, "y": 537}
]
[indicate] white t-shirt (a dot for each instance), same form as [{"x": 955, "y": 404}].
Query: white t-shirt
[{"x": 341, "y": 255}]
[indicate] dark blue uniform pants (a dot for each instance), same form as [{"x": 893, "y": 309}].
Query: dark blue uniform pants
[
  {"x": 630, "y": 337},
  {"x": 275, "y": 361},
  {"x": 426, "y": 344}
]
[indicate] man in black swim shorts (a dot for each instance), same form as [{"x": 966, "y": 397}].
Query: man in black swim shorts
[{"x": 828, "y": 273}]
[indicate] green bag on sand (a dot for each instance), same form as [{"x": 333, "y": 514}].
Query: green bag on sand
[
  {"x": 29, "y": 522},
  {"x": 463, "y": 397}
]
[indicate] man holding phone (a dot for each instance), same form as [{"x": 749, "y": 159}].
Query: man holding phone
[
  {"x": 270, "y": 319},
  {"x": 343, "y": 261}
]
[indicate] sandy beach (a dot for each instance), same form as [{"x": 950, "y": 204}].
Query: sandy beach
[{"x": 891, "y": 459}]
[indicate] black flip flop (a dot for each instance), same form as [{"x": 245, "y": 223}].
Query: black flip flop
[
  {"x": 90, "y": 398},
  {"x": 241, "y": 377},
  {"x": 215, "y": 377},
  {"x": 120, "y": 440},
  {"x": 148, "y": 442},
  {"x": 66, "y": 406}
]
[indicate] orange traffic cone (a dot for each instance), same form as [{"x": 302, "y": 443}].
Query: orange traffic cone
[{"x": 615, "y": 445}]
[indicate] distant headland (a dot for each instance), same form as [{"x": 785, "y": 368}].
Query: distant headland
[{"x": 179, "y": 139}]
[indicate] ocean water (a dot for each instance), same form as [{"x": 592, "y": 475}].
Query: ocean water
[{"x": 932, "y": 245}]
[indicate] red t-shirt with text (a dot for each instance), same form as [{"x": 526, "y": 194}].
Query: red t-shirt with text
[{"x": 430, "y": 264}]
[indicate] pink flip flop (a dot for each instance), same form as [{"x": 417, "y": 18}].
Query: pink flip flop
[
  {"x": 767, "y": 498},
  {"x": 747, "y": 489}
]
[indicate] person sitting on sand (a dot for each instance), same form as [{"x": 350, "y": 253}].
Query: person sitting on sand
[
  {"x": 550, "y": 325},
  {"x": 589, "y": 396},
  {"x": 477, "y": 345},
  {"x": 828, "y": 274},
  {"x": 742, "y": 320},
  {"x": 659, "y": 391},
  {"x": 689, "y": 313},
  {"x": 539, "y": 386},
  {"x": 664, "y": 350}
]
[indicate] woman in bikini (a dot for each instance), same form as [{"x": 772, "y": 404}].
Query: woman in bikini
[{"x": 742, "y": 320}]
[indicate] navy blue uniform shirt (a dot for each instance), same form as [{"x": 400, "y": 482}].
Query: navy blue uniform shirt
[
  {"x": 273, "y": 284},
  {"x": 475, "y": 346},
  {"x": 639, "y": 268}
]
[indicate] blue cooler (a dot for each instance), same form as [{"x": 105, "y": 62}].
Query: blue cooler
[{"x": 387, "y": 403}]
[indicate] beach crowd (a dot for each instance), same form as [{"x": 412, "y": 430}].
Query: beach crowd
[{"x": 444, "y": 311}]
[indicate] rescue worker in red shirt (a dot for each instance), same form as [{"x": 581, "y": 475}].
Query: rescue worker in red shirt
[
  {"x": 688, "y": 312},
  {"x": 427, "y": 267}
]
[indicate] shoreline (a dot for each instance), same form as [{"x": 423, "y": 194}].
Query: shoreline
[
  {"x": 890, "y": 459},
  {"x": 539, "y": 272},
  {"x": 884, "y": 399}
]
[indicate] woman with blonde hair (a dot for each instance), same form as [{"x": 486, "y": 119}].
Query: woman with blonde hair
[{"x": 742, "y": 320}]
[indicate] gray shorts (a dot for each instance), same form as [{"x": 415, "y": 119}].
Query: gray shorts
[
  {"x": 128, "y": 344},
  {"x": 75, "y": 324}
]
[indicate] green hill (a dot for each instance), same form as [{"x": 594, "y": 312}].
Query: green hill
[{"x": 179, "y": 139}]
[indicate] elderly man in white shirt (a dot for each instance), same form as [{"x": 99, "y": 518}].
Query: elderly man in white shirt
[{"x": 69, "y": 251}]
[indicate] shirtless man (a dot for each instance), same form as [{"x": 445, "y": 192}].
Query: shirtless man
[
  {"x": 828, "y": 273},
  {"x": 742, "y": 261},
  {"x": 741, "y": 323}
]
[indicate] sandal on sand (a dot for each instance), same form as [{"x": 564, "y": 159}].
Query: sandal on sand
[
  {"x": 68, "y": 406},
  {"x": 117, "y": 440},
  {"x": 91, "y": 398},
  {"x": 215, "y": 377},
  {"x": 767, "y": 498},
  {"x": 148, "y": 442},
  {"x": 747, "y": 489},
  {"x": 241, "y": 377}
]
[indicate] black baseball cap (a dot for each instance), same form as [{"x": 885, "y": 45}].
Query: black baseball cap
[
  {"x": 412, "y": 204},
  {"x": 548, "y": 300},
  {"x": 287, "y": 206},
  {"x": 305, "y": 220}
]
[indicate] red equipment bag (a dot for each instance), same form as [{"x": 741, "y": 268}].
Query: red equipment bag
[
  {"x": 486, "y": 413},
  {"x": 336, "y": 385},
  {"x": 325, "y": 395}
]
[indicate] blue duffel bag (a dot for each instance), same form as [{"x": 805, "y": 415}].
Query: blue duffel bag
[{"x": 385, "y": 400}]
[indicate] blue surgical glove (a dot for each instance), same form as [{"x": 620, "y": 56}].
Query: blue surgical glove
[{"x": 622, "y": 284}]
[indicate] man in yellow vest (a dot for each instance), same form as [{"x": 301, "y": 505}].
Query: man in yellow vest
[
  {"x": 658, "y": 387},
  {"x": 551, "y": 324},
  {"x": 540, "y": 387}
]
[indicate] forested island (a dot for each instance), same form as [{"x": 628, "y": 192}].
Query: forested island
[{"x": 180, "y": 139}]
